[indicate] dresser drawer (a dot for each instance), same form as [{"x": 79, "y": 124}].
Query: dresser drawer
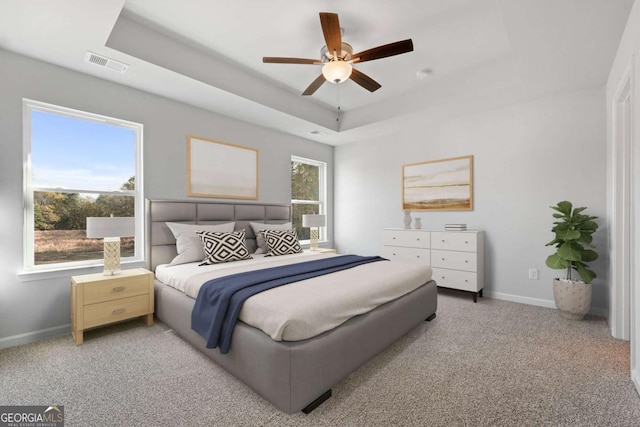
[
  {"x": 394, "y": 253},
  {"x": 467, "y": 261},
  {"x": 107, "y": 290},
  {"x": 113, "y": 311},
  {"x": 413, "y": 239},
  {"x": 463, "y": 280},
  {"x": 451, "y": 240}
]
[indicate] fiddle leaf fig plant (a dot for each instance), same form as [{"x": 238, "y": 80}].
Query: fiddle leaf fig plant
[{"x": 573, "y": 241}]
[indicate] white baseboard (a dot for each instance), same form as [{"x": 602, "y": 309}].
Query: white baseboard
[
  {"x": 34, "y": 336},
  {"x": 635, "y": 377},
  {"x": 596, "y": 311}
]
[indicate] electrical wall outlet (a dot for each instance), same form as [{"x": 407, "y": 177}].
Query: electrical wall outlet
[{"x": 533, "y": 273}]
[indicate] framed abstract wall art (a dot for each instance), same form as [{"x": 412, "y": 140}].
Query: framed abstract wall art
[
  {"x": 221, "y": 170},
  {"x": 438, "y": 185}
]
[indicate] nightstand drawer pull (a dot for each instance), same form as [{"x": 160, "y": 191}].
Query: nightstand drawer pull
[
  {"x": 118, "y": 311},
  {"x": 118, "y": 289}
]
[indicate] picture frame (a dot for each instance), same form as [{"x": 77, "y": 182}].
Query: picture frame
[
  {"x": 438, "y": 185},
  {"x": 221, "y": 170}
]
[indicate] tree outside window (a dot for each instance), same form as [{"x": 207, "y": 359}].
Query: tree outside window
[{"x": 308, "y": 183}]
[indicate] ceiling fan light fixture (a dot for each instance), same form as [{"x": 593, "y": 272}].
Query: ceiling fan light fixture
[{"x": 337, "y": 71}]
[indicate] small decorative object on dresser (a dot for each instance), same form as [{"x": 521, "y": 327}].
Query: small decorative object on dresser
[
  {"x": 456, "y": 257},
  {"x": 418, "y": 224},
  {"x": 98, "y": 300},
  {"x": 407, "y": 220}
]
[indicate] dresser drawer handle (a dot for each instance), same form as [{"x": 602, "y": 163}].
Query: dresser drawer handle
[
  {"x": 465, "y": 280},
  {"x": 418, "y": 239},
  {"x": 394, "y": 254},
  {"x": 443, "y": 259},
  {"x": 417, "y": 256},
  {"x": 466, "y": 260},
  {"x": 118, "y": 289},
  {"x": 442, "y": 240},
  {"x": 118, "y": 311},
  {"x": 466, "y": 241},
  {"x": 443, "y": 277},
  {"x": 393, "y": 238}
]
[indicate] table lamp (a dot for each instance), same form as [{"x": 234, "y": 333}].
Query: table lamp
[
  {"x": 111, "y": 230},
  {"x": 314, "y": 222}
]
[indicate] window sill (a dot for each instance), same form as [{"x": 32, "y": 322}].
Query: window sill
[{"x": 33, "y": 275}]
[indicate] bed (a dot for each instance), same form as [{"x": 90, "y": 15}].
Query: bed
[{"x": 292, "y": 375}]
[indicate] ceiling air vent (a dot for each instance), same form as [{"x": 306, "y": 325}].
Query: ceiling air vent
[{"x": 103, "y": 61}]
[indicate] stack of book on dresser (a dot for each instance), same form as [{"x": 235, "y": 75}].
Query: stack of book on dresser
[{"x": 455, "y": 227}]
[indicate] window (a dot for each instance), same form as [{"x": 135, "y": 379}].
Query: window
[
  {"x": 78, "y": 165},
  {"x": 308, "y": 193}
]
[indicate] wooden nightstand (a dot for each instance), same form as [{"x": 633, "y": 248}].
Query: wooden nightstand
[
  {"x": 98, "y": 300},
  {"x": 326, "y": 251}
]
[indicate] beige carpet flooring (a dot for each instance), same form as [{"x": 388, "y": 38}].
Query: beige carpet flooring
[{"x": 494, "y": 363}]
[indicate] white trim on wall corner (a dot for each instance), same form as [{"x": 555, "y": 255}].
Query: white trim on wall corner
[
  {"x": 30, "y": 337},
  {"x": 635, "y": 377},
  {"x": 596, "y": 311}
]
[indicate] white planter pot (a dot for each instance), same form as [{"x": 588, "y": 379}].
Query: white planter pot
[{"x": 573, "y": 298}]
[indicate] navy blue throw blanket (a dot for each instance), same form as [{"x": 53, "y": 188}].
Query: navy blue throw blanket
[{"x": 220, "y": 300}]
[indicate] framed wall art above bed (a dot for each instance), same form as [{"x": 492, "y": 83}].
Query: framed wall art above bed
[
  {"x": 221, "y": 170},
  {"x": 438, "y": 185}
]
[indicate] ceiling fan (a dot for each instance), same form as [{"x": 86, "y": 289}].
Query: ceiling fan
[{"x": 338, "y": 57}]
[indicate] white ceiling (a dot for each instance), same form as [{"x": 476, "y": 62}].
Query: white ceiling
[{"x": 209, "y": 54}]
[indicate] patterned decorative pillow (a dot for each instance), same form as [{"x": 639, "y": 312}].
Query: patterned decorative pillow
[
  {"x": 281, "y": 242},
  {"x": 258, "y": 227},
  {"x": 223, "y": 247}
]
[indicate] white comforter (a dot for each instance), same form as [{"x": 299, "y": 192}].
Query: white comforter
[{"x": 310, "y": 307}]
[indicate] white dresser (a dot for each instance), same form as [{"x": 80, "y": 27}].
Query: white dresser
[{"x": 456, "y": 257}]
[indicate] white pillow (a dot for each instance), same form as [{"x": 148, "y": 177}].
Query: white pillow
[
  {"x": 258, "y": 227},
  {"x": 188, "y": 244}
]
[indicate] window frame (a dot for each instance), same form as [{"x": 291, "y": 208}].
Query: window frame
[
  {"x": 28, "y": 259},
  {"x": 322, "y": 193}
]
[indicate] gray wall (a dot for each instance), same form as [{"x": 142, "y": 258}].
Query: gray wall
[
  {"x": 32, "y": 309},
  {"x": 527, "y": 157}
]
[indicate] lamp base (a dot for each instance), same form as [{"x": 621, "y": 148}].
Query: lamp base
[
  {"x": 314, "y": 234},
  {"x": 111, "y": 256}
]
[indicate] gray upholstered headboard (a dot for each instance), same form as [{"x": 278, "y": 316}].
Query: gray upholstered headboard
[{"x": 161, "y": 245}]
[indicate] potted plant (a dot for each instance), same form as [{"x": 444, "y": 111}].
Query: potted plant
[{"x": 573, "y": 241}]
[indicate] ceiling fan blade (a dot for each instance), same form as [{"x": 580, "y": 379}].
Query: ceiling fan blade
[
  {"x": 279, "y": 60},
  {"x": 365, "y": 81},
  {"x": 384, "y": 51},
  {"x": 331, "y": 30},
  {"x": 314, "y": 86}
]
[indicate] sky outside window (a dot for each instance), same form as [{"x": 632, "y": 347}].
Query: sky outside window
[{"x": 67, "y": 152}]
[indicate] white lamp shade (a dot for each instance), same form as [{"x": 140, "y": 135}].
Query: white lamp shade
[
  {"x": 99, "y": 227},
  {"x": 314, "y": 220},
  {"x": 337, "y": 71}
]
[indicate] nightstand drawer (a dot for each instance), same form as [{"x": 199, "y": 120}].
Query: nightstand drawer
[
  {"x": 466, "y": 261},
  {"x": 113, "y": 311},
  {"x": 107, "y": 290},
  {"x": 454, "y": 241},
  {"x": 462, "y": 280}
]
